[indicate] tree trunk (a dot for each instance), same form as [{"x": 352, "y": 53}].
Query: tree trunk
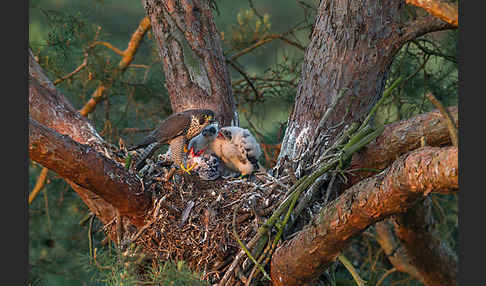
[
  {"x": 189, "y": 46},
  {"x": 351, "y": 47}
]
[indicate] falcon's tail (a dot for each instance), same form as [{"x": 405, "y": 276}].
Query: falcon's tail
[{"x": 147, "y": 153}]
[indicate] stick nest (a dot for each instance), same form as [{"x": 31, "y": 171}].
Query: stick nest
[{"x": 192, "y": 219}]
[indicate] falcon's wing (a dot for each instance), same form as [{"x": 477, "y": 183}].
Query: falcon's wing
[
  {"x": 145, "y": 142},
  {"x": 173, "y": 126}
]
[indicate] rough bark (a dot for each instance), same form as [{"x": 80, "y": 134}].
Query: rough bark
[
  {"x": 352, "y": 47},
  {"x": 436, "y": 262},
  {"x": 49, "y": 107},
  {"x": 190, "y": 49},
  {"x": 393, "y": 191},
  {"x": 401, "y": 137},
  {"x": 88, "y": 169}
]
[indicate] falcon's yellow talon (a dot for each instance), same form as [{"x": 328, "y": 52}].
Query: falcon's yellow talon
[
  {"x": 187, "y": 170},
  {"x": 192, "y": 167},
  {"x": 184, "y": 169}
]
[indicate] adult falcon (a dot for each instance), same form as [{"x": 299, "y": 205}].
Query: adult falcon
[{"x": 176, "y": 130}]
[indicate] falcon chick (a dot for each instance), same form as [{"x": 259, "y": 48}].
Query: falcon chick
[
  {"x": 237, "y": 148},
  {"x": 176, "y": 130},
  {"x": 199, "y": 143}
]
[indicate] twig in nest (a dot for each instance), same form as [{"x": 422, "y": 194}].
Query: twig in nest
[
  {"x": 345, "y": 135},
  {"x": 329, "y": 187},
  {"x": 306, "y": 199},
  {"x": 143, "y": 187},
  {"x": 238, "y": 257},
  {"x": 147, "y": 225},
  {"x": 157, "y": 208},
  {"x": 186, "y": 212},
  {"x": 351, "y": 270},
  {"x": 278, "y": 182},
  {"x": 255, "y": 271},
  {"x": 314, "y": 143}
]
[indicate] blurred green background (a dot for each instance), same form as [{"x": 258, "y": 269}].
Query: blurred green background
[{"x": 58, "y": 33}]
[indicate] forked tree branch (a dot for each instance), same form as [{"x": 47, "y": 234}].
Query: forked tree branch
[
  {"x": 421, "y": 26},
  {"x": 393, "y": 191},
  {"x": 50, "y": 107}
]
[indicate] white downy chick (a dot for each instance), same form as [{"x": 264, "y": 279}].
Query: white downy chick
[{"x": 237, "y": 148}]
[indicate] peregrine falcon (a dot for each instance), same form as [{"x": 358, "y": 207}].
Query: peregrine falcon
[
  {"x": 176, "y": 130},
  {"x": 237, "y": 148}
]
